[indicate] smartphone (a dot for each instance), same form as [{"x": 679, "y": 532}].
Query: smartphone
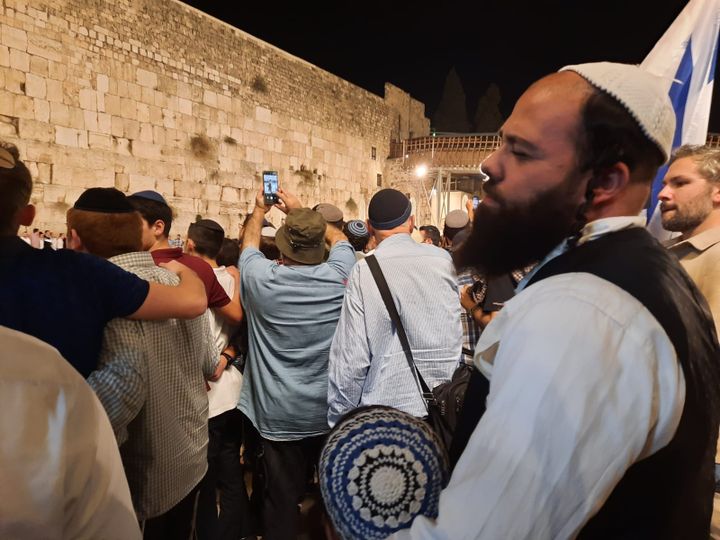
[
  {"x": 270, "y": 186},
  {"x": 476, "y": 201}
]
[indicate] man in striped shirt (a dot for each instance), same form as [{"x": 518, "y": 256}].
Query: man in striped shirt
[{"x": 367, "y": 363}]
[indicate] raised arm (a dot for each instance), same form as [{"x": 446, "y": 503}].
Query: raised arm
[{"x": 251, "y": 238}]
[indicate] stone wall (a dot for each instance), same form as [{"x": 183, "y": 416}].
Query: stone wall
[{"x": 153, "y": 94}]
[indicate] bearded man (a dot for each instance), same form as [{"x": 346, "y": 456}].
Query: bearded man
[
  {"x": 690, "y": 205},
  {"x": 602, "y": 414}
]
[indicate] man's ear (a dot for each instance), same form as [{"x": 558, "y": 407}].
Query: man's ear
[
  {"x": 74, "y": 241},
  {"x": 189, "y": 246},
  {"x": 26, "y": 216},
  {"x": 370, "y": 227},
  {"x": 158, "y": 228},
  {"x": 715, "y": 194},
  {"x": 412, "y": 223},
  {"x": 607, "y": 184}
]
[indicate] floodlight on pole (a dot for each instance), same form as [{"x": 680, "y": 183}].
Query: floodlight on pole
[{"x": 421, "y": 170}]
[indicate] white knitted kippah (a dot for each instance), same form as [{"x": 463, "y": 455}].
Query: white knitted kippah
[{"x": 643, "y": 94}]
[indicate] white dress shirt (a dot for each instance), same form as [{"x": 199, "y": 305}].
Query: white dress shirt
[
  {"x": 60, "y": 471},
  {"x": 584, "y": 383}
]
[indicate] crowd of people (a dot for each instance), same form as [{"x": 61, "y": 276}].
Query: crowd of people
[{"x": 142, "y": 382}]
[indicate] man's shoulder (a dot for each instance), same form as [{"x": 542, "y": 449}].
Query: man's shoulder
[
  {"x": 142, "y": 265},
  {"x": 570, "y": 294},
  {"x": 42, "y": 365}
]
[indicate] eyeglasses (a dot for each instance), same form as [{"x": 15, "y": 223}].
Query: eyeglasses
[{"x": 7, "y": 161}]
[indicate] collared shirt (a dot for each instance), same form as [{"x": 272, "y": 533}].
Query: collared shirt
[
  {"x": 367, "y": 362},
  {"x": 584, "y": 383},
  {"x": 216, "y": 295},
  {"x": 471, "y": 331},
  {"x": 64, "y": 298},
  {"x": 700, "y": 257},
  {"x": 292, "y": 312},
  {"x": 60, "y": 470},
  {"x": 151, "y": 383}
]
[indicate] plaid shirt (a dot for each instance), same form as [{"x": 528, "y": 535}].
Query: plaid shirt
[
  {"x": 471, "y": 331},
  {"x": 150, "y": 381}
]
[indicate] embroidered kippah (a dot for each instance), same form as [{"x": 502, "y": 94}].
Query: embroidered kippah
[{"x": 379, "y": 469}]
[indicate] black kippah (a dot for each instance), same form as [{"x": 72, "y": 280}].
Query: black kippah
[
  {"x": 104, "y": 200},
  {"x": 388, "y": 209},
  {"x": 210, "y": 225}
]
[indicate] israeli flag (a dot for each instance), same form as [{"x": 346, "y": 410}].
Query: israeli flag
[{"x": 686, "y": 56}]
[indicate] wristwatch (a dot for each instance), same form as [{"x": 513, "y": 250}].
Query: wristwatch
[{"x": 229, "y": 359}]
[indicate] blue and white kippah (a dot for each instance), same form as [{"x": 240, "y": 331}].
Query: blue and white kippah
[
  {"x": 379, "y": 469},
  {"x": 357, "y": 228}
]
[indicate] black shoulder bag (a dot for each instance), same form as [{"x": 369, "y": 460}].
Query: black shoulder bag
[{"x": 444, "y": 402}]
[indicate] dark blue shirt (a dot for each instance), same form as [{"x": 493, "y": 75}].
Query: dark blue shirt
[{"x": 64, "y": 298}]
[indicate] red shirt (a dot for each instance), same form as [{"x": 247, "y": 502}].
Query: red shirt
[{"x": 216, "y": 295}]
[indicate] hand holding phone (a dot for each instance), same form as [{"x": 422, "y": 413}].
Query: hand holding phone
[{"x": 270, "y": 187}]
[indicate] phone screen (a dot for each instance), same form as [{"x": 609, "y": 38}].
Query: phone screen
[
  {"x": 476, "y": 201},
  {"x": 270, "y": 185}
]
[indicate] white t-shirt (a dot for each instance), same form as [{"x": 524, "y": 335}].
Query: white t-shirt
[
  {"x": 225, "y": 392},
  {"x": 60, "y": 470}
]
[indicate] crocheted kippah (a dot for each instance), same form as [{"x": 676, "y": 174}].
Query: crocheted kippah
[
  {"x": 379, "y": 469},
  {"x": 357, "y": 228},
  {"x": 643, "y": 94}
]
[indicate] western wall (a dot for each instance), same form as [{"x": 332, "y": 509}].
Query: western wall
[{"x": 154, "y": 94}]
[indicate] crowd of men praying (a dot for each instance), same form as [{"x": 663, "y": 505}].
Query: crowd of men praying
[{"x": 206, "y": 388}]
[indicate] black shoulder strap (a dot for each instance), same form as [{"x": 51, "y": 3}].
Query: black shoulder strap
[{"x": 395, "y": 318}]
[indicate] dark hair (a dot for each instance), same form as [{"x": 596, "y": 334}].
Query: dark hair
[
  {"x": 152, "y": 211},
  {"x": 15, "y": 190},
  {"x": 207, "y": 241},
  {"x": 269, "y": 248},
  {"x": 433, "y": 233},
  {"x": 229, "y": 253},
  {"x": 359, "y": 243},
  {"x": 609, "y": 134},
  {"x": 450, "y": 232}
]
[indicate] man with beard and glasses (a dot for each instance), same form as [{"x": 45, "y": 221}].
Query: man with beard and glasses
[{"x": 602, "y": 414}]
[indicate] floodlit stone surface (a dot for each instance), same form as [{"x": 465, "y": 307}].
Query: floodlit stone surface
[{"x": 190, "y": 107}]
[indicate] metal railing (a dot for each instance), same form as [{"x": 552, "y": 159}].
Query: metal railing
[{"x": 480, "y": 142}]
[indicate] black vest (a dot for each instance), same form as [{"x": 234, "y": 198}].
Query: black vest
[{"x": 670, "y": 493}]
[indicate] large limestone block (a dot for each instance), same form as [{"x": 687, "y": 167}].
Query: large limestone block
[
  {"x": 141, "y": 183},
  {"x": 34, "y": 130},
  {"x": 12, "y": 37}
]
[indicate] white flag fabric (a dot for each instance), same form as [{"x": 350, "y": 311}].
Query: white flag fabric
[{"x": 686, "y": 56}]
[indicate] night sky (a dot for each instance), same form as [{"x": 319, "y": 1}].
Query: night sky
[{"x": 510, "y": 43}]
